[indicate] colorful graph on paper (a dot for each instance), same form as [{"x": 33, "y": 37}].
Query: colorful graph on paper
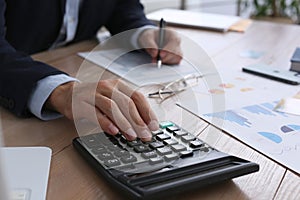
[
  {"x": 275, "y": 134},
  {"x": 242, "y": 104},
  {"x": 241, "y": 89}
]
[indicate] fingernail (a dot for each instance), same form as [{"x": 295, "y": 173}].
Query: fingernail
[
  {"x": 153, "y": 125},
  {"x": 131, "y": 133},
  {"x": 145, "y": 134},
  {"x": 114, "y": 130}
]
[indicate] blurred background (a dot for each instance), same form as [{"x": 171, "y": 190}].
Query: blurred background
[
  {"x": 286, "y": 11},
  {"x": 228, "y": 7}
]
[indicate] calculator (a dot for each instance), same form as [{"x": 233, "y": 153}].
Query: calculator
[{"x": 174, "y": 161}]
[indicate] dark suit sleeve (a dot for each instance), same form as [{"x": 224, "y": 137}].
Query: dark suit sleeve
[
  {"x": 18, "y": 73},
  {"x": 128, "y": 14}
]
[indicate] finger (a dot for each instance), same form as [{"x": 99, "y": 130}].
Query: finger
[
  {"x": 171, "y": 54},
  {"x": 142, "y": 105},
  {"x": 107, "y": 87},
  {"x": 119, "y": 92},
  {"x": 130, "y": 111},
  {"x": 106, "y": 124},
  {"x": 148, "y": 38},
  {"x": 171, "y": 58},
  {"x": 145, "y": 110},
  {"x": 87, "y": 112},
  {"x": 154, "y": 60},
  {"x": 147, "y": 41},
  {"x": 112, "y": 111},
  {"x": 152, "y": 52}
]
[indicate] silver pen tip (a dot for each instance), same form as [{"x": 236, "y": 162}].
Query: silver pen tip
[{"x": 159, "y": 64}]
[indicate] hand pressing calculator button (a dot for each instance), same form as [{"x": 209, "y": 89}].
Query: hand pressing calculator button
[{"x": 145, "y": 170}]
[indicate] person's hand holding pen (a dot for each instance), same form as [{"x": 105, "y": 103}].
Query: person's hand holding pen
[{"x": 162, "y": 44}]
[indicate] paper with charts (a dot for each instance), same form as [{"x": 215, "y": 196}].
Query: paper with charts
[
  {"x": 248, "y": 115},
  {"x": 275, "y": 134}
]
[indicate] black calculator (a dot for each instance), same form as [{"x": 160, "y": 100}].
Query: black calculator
[{"x": 174, "y": 161}]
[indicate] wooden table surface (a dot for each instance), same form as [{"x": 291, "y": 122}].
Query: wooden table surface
[{"x": 72, "y": 178}]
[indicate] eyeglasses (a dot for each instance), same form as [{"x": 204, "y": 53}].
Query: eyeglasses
[{"x": 176, "y": 86}]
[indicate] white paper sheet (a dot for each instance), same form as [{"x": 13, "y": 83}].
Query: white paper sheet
[
  {"x": 136, "y": 67},
  {"x": 195, "y": 19}
]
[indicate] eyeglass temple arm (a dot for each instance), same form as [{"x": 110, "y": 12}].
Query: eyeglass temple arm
[{"x": 158, "y": 93}]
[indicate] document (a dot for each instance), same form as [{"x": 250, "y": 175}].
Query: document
[
  {"x": 243, "y": 106},
  {"x": 274, "y": 134},
  {"x": 236, "y": 89},
  {"x": 137, "y": 67}
]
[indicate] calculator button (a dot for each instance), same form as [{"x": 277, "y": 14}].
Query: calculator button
[
  {"x": 114, "y": 147},
  {"x": 150, "y": 141},
  {"x": 159, "y": 131},
  {"x": 109, "y": 141},
  {"x": 134, "y": 143},
  {"x": 162, "y": 137},
  {"x": 196, "y": 144},
  {"x": 123, "y": 139},
  {"x": 154, "y": 161},
  {"x": 105, "y": 156},
  {"x": 188, "y": 138},
  {"x": 179, "y": 133},
  {"x": 150, "y": 154},
  {"x": 113, "y": 140},
  {"x": 129, "y": 159},
  {"x": 171, "y": 157},
  {"x": 155, "y": 145},
  {"x": 164, "y": 150},
  {"x": 99, "y": 149},
  {"x": 122, "y": 153},
  {"x": 171, "y": 129},
  {"x": 90, "y": 141},
  {"x": 178, "y": 147},
  {"x": 101, "y": 136},
  {"x": 165, "y": 124},
  {"x": 112, "y": 162},
  {"x": 141, "y": 148},
  {"x": 170, "y": 142},
  {"x": 185, "y": 154}
]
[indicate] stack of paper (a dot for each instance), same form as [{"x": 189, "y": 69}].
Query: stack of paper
[{"x": 209, "y": 21}]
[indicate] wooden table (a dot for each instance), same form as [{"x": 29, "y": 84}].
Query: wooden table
[{"x": 72, "y": 178}]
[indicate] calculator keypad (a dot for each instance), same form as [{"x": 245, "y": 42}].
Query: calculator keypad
[{"x": 168, "y": 144}]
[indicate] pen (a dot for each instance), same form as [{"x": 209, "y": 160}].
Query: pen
[{"x": 160, "y": 41}]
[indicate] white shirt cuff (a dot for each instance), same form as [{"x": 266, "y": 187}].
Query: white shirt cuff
[
  {"x": 135, "y": 36},
  {"x": 41, "y": 93}
]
